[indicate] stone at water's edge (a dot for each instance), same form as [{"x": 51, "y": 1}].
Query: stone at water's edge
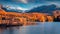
[{"x": 29, "y": 23}]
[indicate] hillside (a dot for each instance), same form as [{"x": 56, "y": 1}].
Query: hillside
[{"x": 44, "y": 9}]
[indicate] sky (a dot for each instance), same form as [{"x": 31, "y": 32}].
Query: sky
[{"x": 28, "y": 4}]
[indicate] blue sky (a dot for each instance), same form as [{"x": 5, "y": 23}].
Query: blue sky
[{"x": 28, "y": 4}]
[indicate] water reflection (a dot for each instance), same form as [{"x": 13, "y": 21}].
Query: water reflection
[{"x": 46, "y": 28}]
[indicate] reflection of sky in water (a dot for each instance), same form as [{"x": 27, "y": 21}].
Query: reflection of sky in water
[{"x": 46, "y": 28}]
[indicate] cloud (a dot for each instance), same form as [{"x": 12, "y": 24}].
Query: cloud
[
  {"x": 56, "y": 3},
  {"x": 24, "y": 1},
  {"x": 20, "y": 8}
]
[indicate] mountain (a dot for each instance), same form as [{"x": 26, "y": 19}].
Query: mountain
[
  {"x": 45, "y": 9},
  {"x": 12, "y": 9}
]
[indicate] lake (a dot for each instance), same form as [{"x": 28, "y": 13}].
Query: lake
[{"x": 41, "y": 28}]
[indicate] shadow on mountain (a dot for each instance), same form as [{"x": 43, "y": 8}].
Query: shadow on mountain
[{"x": 44, "y": 9}]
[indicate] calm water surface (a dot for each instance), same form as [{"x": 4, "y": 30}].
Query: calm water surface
[{"x": 41, "y": 28}]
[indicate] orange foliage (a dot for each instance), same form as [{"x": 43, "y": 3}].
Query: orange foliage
[
  {"x": 24, "y": 18},
  {"x": 50, "y": 18},
  {"x": 27, "y": 16},
  {"x": 2, "y": 12}
]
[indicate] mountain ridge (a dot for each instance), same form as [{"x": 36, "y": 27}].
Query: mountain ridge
[{"x": 45, "y": 9}]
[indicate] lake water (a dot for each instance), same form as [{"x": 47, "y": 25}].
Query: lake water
[{"x": 41, "y": 28}]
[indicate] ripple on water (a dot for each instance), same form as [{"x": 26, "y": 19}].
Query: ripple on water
[{"x": 41, "y": 28}]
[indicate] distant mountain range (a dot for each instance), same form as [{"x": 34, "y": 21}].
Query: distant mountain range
[
  {"x": 45, "y": 9},
  {"x": 39, "y": 9},
  {"x": 12, "y": 10}
]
